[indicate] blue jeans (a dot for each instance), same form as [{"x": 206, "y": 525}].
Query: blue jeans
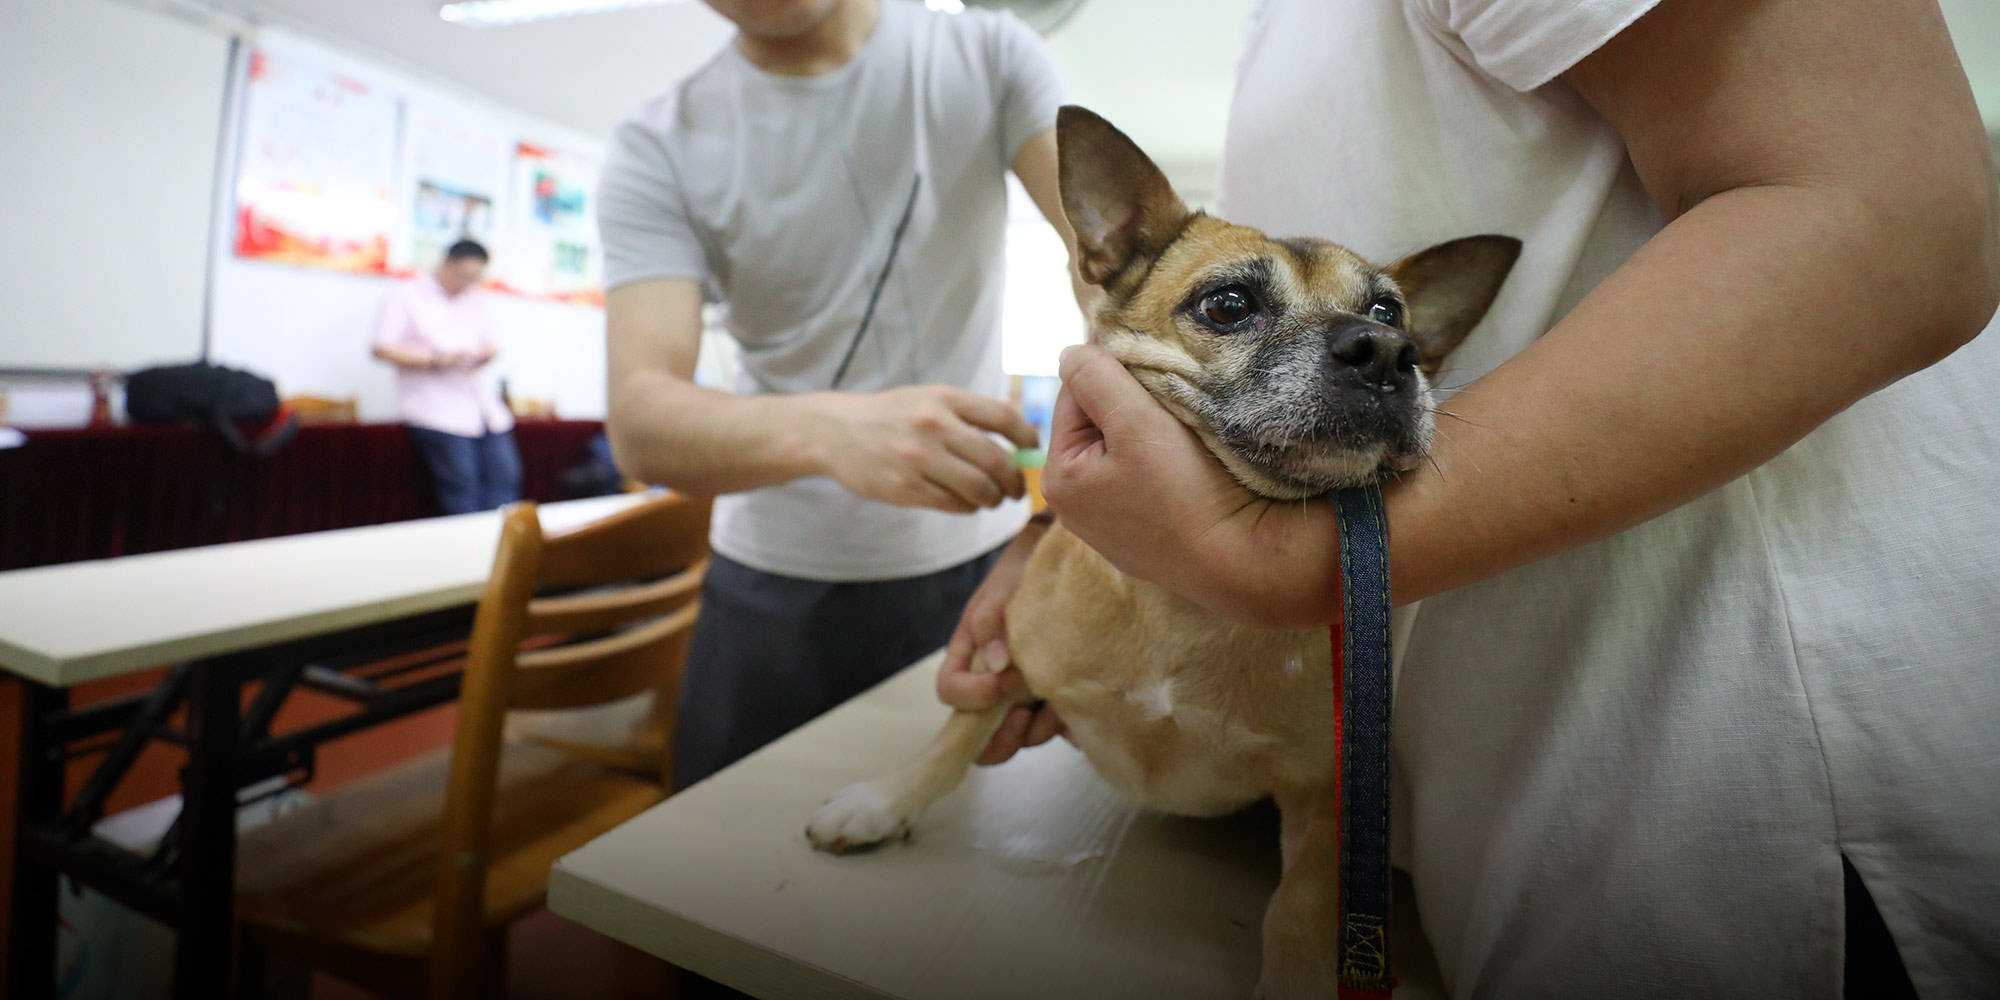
[{"x": 470, "y": 473}]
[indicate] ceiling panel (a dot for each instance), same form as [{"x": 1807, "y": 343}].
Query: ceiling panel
[
  {"x": 1161, "y": 69},
  {"x": 585, "y": 72}
]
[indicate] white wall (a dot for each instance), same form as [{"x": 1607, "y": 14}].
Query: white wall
[
  {"x": 1164, "y": 72},
  {"x": 108, "y": 129},
  {"x": 306, "y": 329},
  {"x": 309, "y": 329}
]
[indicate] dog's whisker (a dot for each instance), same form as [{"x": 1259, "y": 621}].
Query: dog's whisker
[{"x": 1432, "y": 455}]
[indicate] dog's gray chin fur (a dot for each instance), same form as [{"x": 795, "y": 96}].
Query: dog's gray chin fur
[
  {"x": 1284, "y": 436},
  {"x": 1283, "y": 450},
  {"x": 1296, "y": 470}
]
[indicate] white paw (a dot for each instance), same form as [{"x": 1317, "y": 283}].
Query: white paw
[{"x": 859, "y": 817}]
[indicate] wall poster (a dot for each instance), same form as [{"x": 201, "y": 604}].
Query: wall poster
[
  {"x": 318, "y": 164},
  {"x": 550, "y": 242}
]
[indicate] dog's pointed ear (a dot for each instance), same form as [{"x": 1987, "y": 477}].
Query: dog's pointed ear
[
  {"x": 1449, "y": 287},
  {"x": 1117, "y": 200}
]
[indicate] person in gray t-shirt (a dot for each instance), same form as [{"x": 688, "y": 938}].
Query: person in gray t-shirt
[{"x": 836, "y": 176}]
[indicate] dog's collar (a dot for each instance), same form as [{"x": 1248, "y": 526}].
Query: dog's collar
[{"x": 1362, "y": 696}]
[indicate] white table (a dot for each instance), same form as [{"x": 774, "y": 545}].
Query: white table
[
  {"x": 226, "y": 615},
  {"x": 64, "y": 625},
  {"x": 1030, "y": 880}
]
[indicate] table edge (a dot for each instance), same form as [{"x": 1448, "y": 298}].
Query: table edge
[
  {"x": 578, "y": 898},
  {"x": 70, "y": 672}
]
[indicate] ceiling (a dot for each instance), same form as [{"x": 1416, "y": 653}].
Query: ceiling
[
  {"x": 588, "y": 72},
  {"x": 583, "y": 72},
  {"x": 1161, "y": 69}
]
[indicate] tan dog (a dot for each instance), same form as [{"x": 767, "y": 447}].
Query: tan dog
[{"x": 1304, "y": 368}]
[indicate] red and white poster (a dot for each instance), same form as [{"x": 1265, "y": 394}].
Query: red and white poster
[
  {"x": 549, "y": 246},
  {"x": 313, "y": 187}
]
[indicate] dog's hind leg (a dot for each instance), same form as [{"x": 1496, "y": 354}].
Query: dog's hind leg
[{"x": 863, "y": 815}]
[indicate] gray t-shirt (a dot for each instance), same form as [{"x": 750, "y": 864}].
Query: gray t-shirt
[{"x": 782, "y": 194}]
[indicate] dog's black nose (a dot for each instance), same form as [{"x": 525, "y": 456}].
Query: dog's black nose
[{"x": 1382, "y": 358}]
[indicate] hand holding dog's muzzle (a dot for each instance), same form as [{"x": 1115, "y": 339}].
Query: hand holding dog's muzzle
[{"x": 1139, "y": 487}]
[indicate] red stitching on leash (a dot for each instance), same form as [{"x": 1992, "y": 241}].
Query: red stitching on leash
[{"x": 1339, "y": 637}]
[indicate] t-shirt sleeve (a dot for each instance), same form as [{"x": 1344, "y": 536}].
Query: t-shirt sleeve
[
  {"x": 1030, "y": 88},
  {"x": 1527, "y": 43},
  {"x": 642, "y": 215}
]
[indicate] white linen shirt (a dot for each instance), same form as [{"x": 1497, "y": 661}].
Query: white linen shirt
[{"x": 1631, "y": 769}]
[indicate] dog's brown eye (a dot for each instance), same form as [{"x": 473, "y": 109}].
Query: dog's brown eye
[
  {"x": 1226, "y": 307},
  {"x": 1387, "y": 312}
]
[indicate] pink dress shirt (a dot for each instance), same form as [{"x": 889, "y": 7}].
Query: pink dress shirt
[{"x": 419, "y": 316}]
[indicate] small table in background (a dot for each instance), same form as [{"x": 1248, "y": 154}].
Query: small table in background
[{"x": 268, "y": 616}]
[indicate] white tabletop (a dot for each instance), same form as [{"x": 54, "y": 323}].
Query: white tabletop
[
  {"x": 1030, "y": 880},
  {"x": 63, "y": 625}
]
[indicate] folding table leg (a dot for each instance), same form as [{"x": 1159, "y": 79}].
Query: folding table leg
[
  {"x": 32, "y": 914},
  {"x": 208, "y": 834}
]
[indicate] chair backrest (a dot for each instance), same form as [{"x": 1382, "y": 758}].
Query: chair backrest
[
  {"x": 322, "y": 410},
  {"x": 611, "y": 606}
]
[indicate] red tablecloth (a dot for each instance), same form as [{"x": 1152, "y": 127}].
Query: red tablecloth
[{"x": 91, "y": 493}]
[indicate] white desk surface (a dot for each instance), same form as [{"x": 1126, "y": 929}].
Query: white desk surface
[
  {"x": 1030, "y": 880},
  {"x": 63, "y": 625}
]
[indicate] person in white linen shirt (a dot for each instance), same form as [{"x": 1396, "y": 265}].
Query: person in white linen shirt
[
  {"x": 1702, "y": 697},
  {"x": 837, "y": 175}
]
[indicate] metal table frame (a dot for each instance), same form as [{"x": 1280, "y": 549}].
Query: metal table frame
[{"x": 187, "y": 883}]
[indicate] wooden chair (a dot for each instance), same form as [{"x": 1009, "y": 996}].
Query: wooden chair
[
  {"x": 322, "y": 410},
  {"x": 413, "y": 875},
  {"x": 528, "y": 408}
]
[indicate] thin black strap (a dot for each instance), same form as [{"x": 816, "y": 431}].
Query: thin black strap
[{"x": 875, "y": 294}]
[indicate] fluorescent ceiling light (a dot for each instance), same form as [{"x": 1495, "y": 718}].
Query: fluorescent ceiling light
[
  {"x": 948, "y": 6},
  {"x": 489, "y": 13}
]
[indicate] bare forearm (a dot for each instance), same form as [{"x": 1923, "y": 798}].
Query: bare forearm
[
  {"x": 1749, "y": 321},
  {"x": 402, "y": 358},
  {"x": 668, "y": 431}
]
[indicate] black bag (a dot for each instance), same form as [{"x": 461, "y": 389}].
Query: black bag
[{"x": 213, "y": 395}]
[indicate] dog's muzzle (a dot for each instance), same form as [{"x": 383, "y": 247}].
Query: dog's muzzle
[{"x": 1370, "y": 357}]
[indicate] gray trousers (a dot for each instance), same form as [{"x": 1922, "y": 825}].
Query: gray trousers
[{"x": 771, "y": 652}]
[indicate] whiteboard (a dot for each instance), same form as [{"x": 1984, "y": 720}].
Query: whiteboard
[{"x": 110, "y": 115}]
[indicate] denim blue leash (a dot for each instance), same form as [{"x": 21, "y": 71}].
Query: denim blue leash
[{"x": 1362, "y": 699}]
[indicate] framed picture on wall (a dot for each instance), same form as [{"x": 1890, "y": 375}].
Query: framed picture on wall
[
  {"x": 456, "y": 168},
  {"x": 549, "y": 248}
]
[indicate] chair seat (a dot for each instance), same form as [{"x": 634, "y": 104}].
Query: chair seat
[
  {"x": 358, "y": 868},
  {"x": 621, "y": 735}
]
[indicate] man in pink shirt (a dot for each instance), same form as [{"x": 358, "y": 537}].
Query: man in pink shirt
[{"x": 437, "y": 334}]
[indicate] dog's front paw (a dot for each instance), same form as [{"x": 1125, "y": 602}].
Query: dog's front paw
[{"x": 859, "y": 817}]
